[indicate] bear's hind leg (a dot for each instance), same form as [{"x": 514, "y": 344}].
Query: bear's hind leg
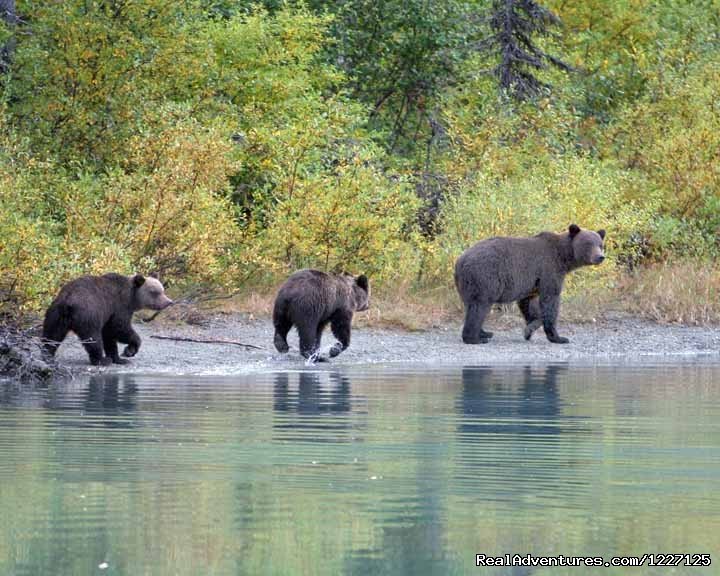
[
  {"x": 341, "y": 324},
  {"x": 473, "y": 332},
  {"x": 55, "y": 328},
  {"x": 282, "y": 327},
  {"x": 308, "y": 339},
  {"x": 318, "y": 334}
]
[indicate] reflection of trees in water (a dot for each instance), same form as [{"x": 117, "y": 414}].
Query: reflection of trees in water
[
  {"x": 71, "y": 492},
  {"x": 415, "y": 541},
  {"x": 511, "y": 408}
]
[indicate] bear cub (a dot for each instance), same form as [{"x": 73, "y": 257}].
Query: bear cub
[
  {"x": 529, "y": 271},
  {"x": 310, "y": 300},
  {"x": 99, "y": 310}
]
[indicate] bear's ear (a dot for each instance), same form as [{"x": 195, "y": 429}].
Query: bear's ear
[
  {"x": 601, "y": 233},
  {"x": 574, "y": 230},
  {"x": 362, "y": 281},
  {"x": 138, "y": 280}
]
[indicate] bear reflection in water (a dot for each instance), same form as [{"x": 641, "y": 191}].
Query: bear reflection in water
[
  {"x": 111, "y": 394},
  {"x": 515, "y": 438},
  {"x": 322, "y": 396},
  {"x": 510, "y": 401}
]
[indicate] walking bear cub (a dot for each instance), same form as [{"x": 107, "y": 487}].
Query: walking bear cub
[
  {"x": 529, "y": 271},
  {"x": 99, "y": 310},
  {"x": 310, "y": 300}
]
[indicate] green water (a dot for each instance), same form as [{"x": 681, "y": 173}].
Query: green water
[{"x": 360, "y": 471}]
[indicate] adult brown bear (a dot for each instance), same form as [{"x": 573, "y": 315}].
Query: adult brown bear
[
  {"x": 99, "y": 310},
  {"x": 529, "y": 271},
  {"x": 310, "y": 300}
]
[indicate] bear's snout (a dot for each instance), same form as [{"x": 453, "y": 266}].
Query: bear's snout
[
  {"x": 159, "y": 303},
  {"x": 598, "y": 259},
  {"x": 165, "y": 303}
]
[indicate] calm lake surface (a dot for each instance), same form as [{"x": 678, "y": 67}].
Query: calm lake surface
[{"x": 361, "y": 471}]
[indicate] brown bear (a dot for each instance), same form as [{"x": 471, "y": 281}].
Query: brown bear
[
  {"x": 310, "y": 300},
  {"x": 529, "y": 271},
  {"x": 99, "y": 310}
]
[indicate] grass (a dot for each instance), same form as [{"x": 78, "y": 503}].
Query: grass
[{"x": 682, "y": 293}]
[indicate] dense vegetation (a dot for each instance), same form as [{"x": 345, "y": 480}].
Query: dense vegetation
[{"x": 222, "y": 143}]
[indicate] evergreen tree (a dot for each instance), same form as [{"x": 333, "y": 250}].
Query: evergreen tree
[{"x": 514, "y": 24}]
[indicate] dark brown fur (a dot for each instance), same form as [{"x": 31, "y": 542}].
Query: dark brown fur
[
  {"x": 99, "y": 310},
  {"x": 310, "y": 300},
  {"x": 529, "y": 271}
]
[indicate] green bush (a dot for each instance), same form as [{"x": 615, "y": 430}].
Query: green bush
[
  {"x": 221, "y": 142},
  {"x": 574, "y": 189},
  {"x": 350, "y": 218}
]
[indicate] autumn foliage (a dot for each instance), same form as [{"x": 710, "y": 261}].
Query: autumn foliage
[{"x": 222, "y": 144}]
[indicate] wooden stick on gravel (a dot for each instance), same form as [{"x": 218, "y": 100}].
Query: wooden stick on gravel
[{"x": 210, "y": 341}]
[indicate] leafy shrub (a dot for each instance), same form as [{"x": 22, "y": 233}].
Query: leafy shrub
[
  {"x": 165, "y": 210},
  {"x": 673, "y": 139},
  {"x": 549, "y": 197},
  {"x": 351, "y": 218}
]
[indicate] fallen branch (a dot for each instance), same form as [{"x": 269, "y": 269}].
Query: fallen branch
[
  {"x": 22, "y": 358},
  {"x": 211, "y": 341}
]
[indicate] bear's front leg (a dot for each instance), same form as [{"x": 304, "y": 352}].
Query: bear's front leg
[
  {"x": 550, "y": 307},
  {"x": 111, "y": 351},
  {"x": 110, "y": 345},
  {"x": 530, "y": 308},
  {"x": 127, "y": 335},
  {"x": 133, "y": 345},
  {"x": 93, "y": 344}
]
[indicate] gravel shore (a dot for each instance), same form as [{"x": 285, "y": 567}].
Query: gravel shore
[{"x": 619, "y": 339}]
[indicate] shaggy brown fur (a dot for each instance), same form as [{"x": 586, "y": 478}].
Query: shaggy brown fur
[
  {"x": 529, "y": 271},
  {"x": 99, "y": 310},
  {"x": 310, "y": 300}
]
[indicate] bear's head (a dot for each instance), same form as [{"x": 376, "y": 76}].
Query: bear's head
[
  {"x": 149, "y": 293},
  {"x": 587, "y": 246},
  {"x": 361, "y": 292}
]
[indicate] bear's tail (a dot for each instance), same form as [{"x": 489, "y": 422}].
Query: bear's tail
[{"x": 56, "y": 326}]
